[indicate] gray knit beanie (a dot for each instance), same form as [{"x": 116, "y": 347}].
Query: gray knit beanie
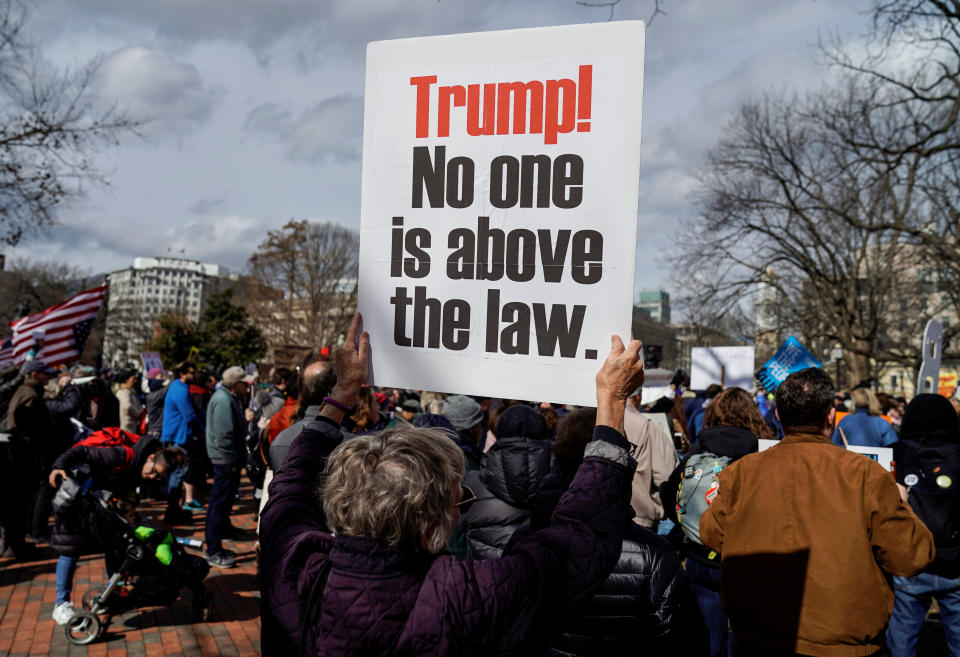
[{"x": 463, "y": 412}]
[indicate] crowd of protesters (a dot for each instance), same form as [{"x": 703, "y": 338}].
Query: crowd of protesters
[{"x": 415, "y": 522}]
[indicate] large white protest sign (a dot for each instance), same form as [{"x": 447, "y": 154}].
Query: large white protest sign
[
  {"x": 498, "y": 218},
  {"x": 725, "y": 366}
]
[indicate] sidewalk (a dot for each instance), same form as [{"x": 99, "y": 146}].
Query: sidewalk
[{"x": 27, "y": 593}]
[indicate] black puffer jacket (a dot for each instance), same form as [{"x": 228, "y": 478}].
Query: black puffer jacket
[
  {"x": 70, "y": 537},
  {"x": 644, "y": 607},
  {"x": 507, "y": 481}
]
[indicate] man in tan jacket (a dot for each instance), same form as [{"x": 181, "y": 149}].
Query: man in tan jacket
[
  {"x": 656, "y": 457},
  {"x": 808, "y": 533}
]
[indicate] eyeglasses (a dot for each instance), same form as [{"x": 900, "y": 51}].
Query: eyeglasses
[{"x": 467, "y": 498}]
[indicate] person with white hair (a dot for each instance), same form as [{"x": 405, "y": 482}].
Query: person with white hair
[{"x": 358, "y": 569}]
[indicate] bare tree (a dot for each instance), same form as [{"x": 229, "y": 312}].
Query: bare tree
[
  {"x": 844, "y": 206},
  {"x": 784, "y": 203},
  {"x": 314, "y": 267},
  {"x": 50, "y": 125},
  {"x": 127, "y": 330},
  {"x": 907, "y": 123},
  {"x": 29, "y": 286},
  {"x": 612, "y": 4}
]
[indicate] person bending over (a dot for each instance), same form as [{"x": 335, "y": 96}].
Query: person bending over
[{"x": 110, "y": 468}]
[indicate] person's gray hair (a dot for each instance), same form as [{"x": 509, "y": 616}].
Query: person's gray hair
[{"x": 398, "y": 486}]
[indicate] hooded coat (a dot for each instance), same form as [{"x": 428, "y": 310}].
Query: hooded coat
[
  {"x": 508, "y": 479},
  {"x": 732, "y": 442},
  {"x": 360, "y": 596}
]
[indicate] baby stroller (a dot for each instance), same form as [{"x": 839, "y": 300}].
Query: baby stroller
[{"x": 153, "y": 568}]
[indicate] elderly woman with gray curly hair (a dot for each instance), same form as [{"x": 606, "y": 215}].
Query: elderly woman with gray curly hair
[{"x": 358, "y": 569}]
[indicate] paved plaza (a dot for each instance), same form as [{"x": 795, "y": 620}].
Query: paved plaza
[{"x": 27, "y": 594}]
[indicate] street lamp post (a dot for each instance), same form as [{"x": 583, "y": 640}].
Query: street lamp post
[{"x": 837, "y": 356}]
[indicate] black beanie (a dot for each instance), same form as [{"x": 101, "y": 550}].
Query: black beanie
[
  {"x": 521, "y": 421},
  {"x": 930, "y": 416}
]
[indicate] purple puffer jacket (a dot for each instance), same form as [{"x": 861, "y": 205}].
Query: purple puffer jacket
[{"x": 382, "y": 600}]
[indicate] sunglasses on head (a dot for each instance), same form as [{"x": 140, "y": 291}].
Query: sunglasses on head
[{"x": 467, "y": 498}]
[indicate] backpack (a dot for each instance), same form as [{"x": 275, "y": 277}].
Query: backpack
[
  {"x": 698, "y": 486},
  {"x": 113, "y": 437},
  {"x": 931, "y": 473},
  {"x": 256, "y": 463}
]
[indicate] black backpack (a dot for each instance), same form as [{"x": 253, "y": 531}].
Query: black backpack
[{"x": 931, "y": 473}]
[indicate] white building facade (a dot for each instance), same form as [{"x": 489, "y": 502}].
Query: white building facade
[{"x": 151, "y": 287}]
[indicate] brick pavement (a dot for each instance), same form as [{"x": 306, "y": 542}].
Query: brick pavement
[{"x": 27, "y": 593}]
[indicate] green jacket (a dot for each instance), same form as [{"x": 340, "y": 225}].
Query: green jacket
[{"x": 226, "y": 429}]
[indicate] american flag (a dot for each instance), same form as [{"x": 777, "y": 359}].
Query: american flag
[
  {"x": 6, "y": 352},
  {"x": 65, "y": 328}
]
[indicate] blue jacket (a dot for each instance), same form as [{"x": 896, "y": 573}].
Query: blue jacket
[
  {"x": 865, "y": 430},
  {"x": 180, "y": 418}
]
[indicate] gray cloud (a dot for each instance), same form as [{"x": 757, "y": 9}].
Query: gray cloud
[
  {"x": 208, "y": 205},
  {"x": 329, "y": 133},
  {"x": 107, "y": 244},
  {"x": 148, "y": 85}
]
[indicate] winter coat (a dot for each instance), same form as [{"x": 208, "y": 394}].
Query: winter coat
[
  {"x": 281, "y": 445},
  {"x": 67, "y": 405},
  {"x": 156, "y": 399},
  {"x": 280, "y": 420},
  {"x": 864, "y": 430},
  {"x": 226, "y": 429},
  {"x": 656, "y": 459},
  {"x": 646, "y": 601},
  {"x": 69, "y": 536},
  {"x": 180, "y": 418},
  {"x": 732, "y": 442},
  {"x": 509, "y": 477},
  {"x": 104, "y": 407},
  {"x": 129, "y": 410},
  {"x": 200, "y": 397},
  {"x": 379, "y": 599},
  {"x": 7, "y": 388},
  {"x": 809, "y": 534},
  {"x": 27, "y": 416}
]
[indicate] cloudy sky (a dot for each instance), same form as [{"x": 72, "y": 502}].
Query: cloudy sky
[{"x": 257, "y": 107}]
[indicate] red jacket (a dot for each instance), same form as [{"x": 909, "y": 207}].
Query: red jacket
[{"x": 281, "y": 419}]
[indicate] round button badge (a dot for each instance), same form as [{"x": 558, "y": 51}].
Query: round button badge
[
  {"x": 943, "y": 481},
  {"x": 911, "y": 480}
]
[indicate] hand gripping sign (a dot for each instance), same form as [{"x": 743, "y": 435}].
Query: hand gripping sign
[{"x": 498, "y": 218}]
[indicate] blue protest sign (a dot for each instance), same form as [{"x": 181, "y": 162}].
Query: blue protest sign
[{"x": 790, "y": 357}]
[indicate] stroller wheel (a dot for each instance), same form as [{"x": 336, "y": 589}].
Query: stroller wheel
[
  {"x": 82, "y": 629},
  {"x": 201, "y": 608},
  {"x": 88, "y": 600}
]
